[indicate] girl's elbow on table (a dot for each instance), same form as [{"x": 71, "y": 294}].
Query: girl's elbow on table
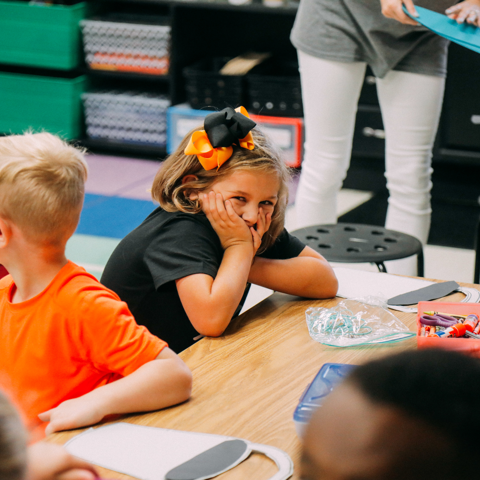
[
  {"x": 323, "y": 278},
  {"x": 210, "y": 331},
  {"x": 210, "y": 326},
  {"x": 321, "y": 286},
  {"x": 331, "y": 289},
  {"x": 330, "y": 285}
]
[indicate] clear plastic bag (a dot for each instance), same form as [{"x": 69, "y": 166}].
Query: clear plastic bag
[{"x": 353, "y": 323}]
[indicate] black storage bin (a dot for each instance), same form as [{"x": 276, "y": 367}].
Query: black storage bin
[
  {"x": 206, "y": 87},
  {"x": 368, "y": 95},
  {"x": 275, "y": 90},
  {"x": 461, "y": 108}
]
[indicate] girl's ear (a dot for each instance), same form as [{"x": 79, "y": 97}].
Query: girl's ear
[
  {"x": 189, "y": 178},
  {"x": 189, "y": 194}
]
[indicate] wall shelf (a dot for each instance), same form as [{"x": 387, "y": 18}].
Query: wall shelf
[
  {"x": 128, "y": 76},
  {"x": 219, "y": 29},
  {"x": 123, "y": 149}
]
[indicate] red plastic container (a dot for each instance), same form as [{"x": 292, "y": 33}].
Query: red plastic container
[
  {"x": 287, "y": 133},
  {"x": 470, "y": 346}
]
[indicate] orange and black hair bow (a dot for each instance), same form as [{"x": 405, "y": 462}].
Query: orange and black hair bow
[{"x": 213, "y": 146}]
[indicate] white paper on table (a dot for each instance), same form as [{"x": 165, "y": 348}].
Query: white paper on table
[
  {"x": 149, "y": 453},
  {"x": 357, "y": 284},
  {"x": 256, "y": 295},
  {"x": 360, "y": 283},
  {"x": 142, "y": 452}
]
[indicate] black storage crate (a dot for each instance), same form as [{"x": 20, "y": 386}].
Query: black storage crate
[
  {"x": 206, "y": 87},
  {"x": 368, "y": 95},
  {"x": 369, "y": 134},
  {"x": 461, "y": 108},
  {"x": 275, "y": 90}
]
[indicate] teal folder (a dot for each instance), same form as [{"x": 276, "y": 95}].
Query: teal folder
[{"x": 464, "y": 34}]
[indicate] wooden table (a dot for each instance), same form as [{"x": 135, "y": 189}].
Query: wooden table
[{"x": 247, "y": 383}]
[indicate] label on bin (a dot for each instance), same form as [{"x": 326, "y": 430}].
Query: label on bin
[
  {"x": 282, "y": 137},
  {"x": 184, "y": 125}
]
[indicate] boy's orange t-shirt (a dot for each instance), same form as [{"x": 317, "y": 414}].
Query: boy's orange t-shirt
[{"x": 71, "y": 338}]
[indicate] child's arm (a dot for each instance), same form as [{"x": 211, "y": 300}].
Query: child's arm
[
  {"x": 308, "y": 275},
  {"x": 46, "y": 461},
  {"x": 210, "y": 303},
  {"x": 157, "y": 384}
]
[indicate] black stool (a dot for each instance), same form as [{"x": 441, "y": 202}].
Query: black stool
[{"x": 356, "y": 243}]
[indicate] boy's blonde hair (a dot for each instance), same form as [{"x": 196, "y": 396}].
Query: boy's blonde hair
[
  {"x": 42, "y": 185},
  {"x": 13, "y": 443},
  {"x": 173, "y": 195}
]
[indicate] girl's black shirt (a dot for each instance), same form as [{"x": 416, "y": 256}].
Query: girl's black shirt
[{"x": 167, "y": 246}]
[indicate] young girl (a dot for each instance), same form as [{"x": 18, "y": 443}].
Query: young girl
[{"x": 220, "y": 225}]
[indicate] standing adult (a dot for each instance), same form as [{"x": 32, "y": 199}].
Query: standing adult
[{"x": 335, "y": 41}]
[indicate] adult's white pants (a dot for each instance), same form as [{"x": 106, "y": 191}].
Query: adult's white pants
[{"x": 410, "y": 105}]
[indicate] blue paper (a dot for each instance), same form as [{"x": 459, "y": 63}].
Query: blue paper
[{"x": 464, "y": 34}]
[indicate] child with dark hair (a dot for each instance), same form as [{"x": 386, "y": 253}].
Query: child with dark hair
[{"x": 410, "y": 416}]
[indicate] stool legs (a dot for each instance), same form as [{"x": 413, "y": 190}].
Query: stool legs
[
  {"x": 381, "y": 267},
  {"x": 420, "y": 263}
]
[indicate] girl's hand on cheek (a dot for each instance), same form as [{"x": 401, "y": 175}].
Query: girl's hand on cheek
[
  {"x": 230, "y": 228},
  {"x": 263, "y": 224}
]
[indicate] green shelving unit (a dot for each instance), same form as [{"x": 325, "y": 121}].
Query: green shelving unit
[
  {"x": 41, "y": 103},
  {"x": 46, "y": 36}
]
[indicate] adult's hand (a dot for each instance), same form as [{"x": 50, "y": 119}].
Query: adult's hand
[
  {"x": 394, "y": 9},
  {"x": 468, "y": 11}
]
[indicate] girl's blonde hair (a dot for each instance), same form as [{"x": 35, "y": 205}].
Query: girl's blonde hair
[
  {"x": 13, "y": 443},
  {"x": 173, "y": 195}
]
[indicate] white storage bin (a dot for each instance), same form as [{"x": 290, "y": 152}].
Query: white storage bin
[
  {"x": 127, "y": 47},
  {"x": 129, "y": 117}
]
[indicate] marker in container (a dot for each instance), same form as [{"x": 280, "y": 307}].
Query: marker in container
[
  {"x": 443, "y": 334},
  {"x": 471, "y": 321},
  {"x": 457, "y": 330},
  {"x": 477, "y": 329}
]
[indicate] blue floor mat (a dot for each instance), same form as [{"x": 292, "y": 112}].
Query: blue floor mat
[{"x": 112, "y": 216}]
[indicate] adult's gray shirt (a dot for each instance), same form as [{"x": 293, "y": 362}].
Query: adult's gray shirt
[{"x": 356, "y": 31}]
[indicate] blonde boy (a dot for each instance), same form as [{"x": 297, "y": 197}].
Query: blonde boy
[{"x": 71, "y": 351}]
